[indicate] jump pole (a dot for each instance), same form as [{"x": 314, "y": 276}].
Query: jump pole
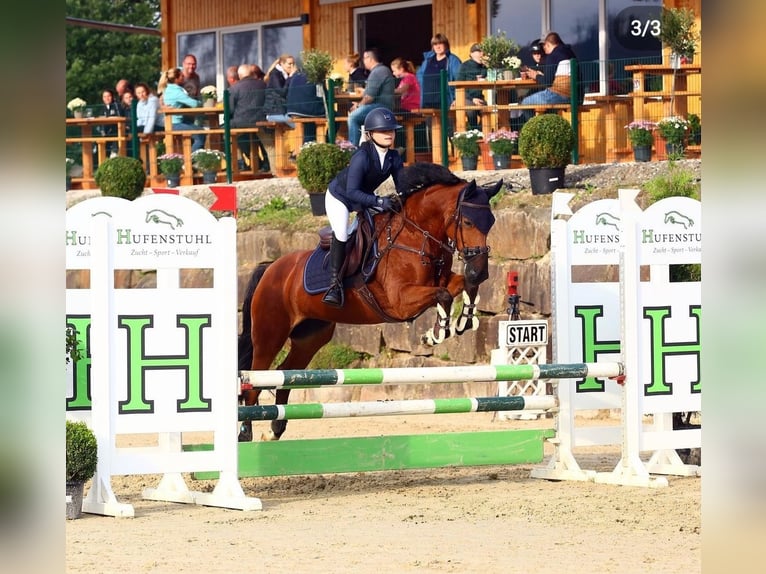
[
  {"x": 399, "y": 452},
  {"x": 391, "y": 408},
  {"x": 308, "y": 379}
]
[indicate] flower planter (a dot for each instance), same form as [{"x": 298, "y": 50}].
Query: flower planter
[
  {"x": 209, "y": 177},
  {"x": 642, "y": 153},
  {"x": 469, "y": 163},
  {"x": 546, "y": 180},
  {"x": 317, "y": 203},
  {"x": 174, "y": 180},
  {"x": 674, "y": 149},
  {"x": 209, "y": 103},
  {"x": 78, "y": 114},
  {"x": 501, "y": 161}
]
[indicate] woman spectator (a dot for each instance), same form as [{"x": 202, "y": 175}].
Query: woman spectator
[
  {"x": 434, "y": 61},
  {"x": 277, "y": 78},
  {"x": 357, "y": 74},
  {"x": 408, "y": 88},
  {"x": 175, "y": 96},
  {"x": 148, "y": 116},
  {"x": 557, "y": 78}
]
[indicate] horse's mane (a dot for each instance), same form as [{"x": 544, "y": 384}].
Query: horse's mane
[{"x": 420, "y": 175}]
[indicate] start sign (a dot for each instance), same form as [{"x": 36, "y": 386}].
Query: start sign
[{"x": 523, "y": 333}]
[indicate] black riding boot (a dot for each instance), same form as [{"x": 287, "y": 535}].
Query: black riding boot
[{"x": 334, "y": 295}]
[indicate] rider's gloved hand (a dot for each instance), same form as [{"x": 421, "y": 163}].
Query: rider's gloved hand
[{"x": 384, "y": 203}]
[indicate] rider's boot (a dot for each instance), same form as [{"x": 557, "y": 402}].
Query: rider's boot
[{"x": 334, "y": 295}]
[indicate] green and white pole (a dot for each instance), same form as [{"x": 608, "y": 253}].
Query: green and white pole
[
  {"x": 389, "y": 408},
  {"x": 307, "y": 379}
]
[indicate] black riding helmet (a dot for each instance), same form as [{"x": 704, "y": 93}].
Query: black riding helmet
[{"x": 380, "y": 119}]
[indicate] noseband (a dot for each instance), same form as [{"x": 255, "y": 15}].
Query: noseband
[{"x": 467, "y": 254}]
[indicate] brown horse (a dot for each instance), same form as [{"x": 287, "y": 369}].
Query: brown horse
[{"x": 438, "y": 215}]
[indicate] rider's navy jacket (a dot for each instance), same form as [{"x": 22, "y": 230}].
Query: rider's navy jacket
[{"x": 355, "y": 185}]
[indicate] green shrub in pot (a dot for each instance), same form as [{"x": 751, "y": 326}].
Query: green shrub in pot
[
  {"x": 546, "y": 140},
  {"x": 318, "y": 163},
  {"x": 121, "y": 177},
  {"x": 81, "y": 452}
]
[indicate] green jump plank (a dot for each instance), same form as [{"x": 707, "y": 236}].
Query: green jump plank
[{"x": 398, "y": 452}]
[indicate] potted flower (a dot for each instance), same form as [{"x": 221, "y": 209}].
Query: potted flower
[
  {"x": 502, "y": 144},
  {"x": 467, "y": 144},
  {"x": 497, "y": 48},
  {"x": 641, "y": 136},
  {"x": 171, "y": 165},
  {"x": 673, "y": 130},
  {"x": 209, "y": 96},
  {"x": 208, "y": 161},
  {"x": 318, "y": 163},
  {"x": 77, "y": 107},
  {"x": 695, "y": 129},
  {"x": 511, "y": 64},
  {"x": 545, "y": 145},
  {"x": 81, "y": 461}
]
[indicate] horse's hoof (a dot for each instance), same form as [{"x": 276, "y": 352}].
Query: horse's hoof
[{"x": 245, "y": 436}]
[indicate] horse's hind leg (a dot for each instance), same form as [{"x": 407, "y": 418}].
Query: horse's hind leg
[{"x": 305, "y": 341}]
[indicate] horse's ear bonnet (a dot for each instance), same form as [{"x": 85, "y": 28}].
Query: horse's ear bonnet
[{"x": 475, "y": 205}]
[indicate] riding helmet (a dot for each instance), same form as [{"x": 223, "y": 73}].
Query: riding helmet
[{"x": 380, "y": 119}]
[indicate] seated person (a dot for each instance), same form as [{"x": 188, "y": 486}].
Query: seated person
[
  {"x": 557, "y": 76},
  {"x": 303, "y": 102},
  {"x": 175, "y": 96},
  {"x": 473, "y": 69}
]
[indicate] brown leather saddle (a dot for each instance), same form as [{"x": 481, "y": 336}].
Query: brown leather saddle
[{"x": 361, "y": 248}]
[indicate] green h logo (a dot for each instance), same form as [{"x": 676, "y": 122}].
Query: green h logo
[
  {"x": 591, "y": 346},
  {"x": 660, "y": 350},
  {"x": 140, "y": 362}
]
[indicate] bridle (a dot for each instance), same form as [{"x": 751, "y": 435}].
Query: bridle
[{"x": 466, "y": 254}]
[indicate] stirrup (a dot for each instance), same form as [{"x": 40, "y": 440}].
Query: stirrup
[{"x": 334, "y": 295}]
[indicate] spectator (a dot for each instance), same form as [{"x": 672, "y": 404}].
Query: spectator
[
  {"x": 110, "y": 108},
  {"x": 379, "y": 93},
  {"x": 122, "y": 86},
  {"x": 246, "y": 99},
  {"x": 556, "y": 77},
  {"x": 191, "y": 81},
  {"x": 175, "y": 96},
  {"x": 232, "y": 76},
  {"x": 434, "y": 61},
  {"x": 126, "y": 103},
  {"x": 277, "y": 78},
  {"x": 148, "y": 117},
  {"x": 353, "y": 189},
  {"x": 408, "y": 87},
  {"x": 471, "y": 70},
  {"x": 357, "y": 74}
]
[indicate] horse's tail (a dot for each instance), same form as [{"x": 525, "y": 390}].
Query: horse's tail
[{"x": 245, "y": 343}]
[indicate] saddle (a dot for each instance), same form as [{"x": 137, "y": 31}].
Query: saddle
[{"x": 361, "y": 248}]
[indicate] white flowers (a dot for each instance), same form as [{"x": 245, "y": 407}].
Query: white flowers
[
  {"x": 76, "y": 104},
  {"x": 512, "y": 62},
  {"x": 209, "y": 92}
]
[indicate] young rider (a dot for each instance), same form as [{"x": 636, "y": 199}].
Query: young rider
[{"x": 353, "y": 189}]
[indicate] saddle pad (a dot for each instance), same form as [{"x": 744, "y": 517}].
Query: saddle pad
[{"x": 316, "y": 273}]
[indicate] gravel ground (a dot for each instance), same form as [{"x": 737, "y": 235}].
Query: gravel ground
[{"x": 601, "y": 179}]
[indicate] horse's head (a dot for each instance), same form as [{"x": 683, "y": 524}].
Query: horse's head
[{"x": 474, "y": 219}]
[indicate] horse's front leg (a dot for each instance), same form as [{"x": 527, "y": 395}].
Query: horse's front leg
[
  {"x": 441, "y": 329},
  {"x": 249, "y": 398},
  {"x": 468, "y": 318}
]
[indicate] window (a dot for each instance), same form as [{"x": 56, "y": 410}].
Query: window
[
  {"x": 259, "y": 44},
  {"x": 599, "y": 31}
]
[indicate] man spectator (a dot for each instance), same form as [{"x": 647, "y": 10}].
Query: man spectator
[
  {"x": 191, "y": 82},
  {"x": 247, "y": 97},
  {"x": 379, "y": 93},
  {"x": 121, "y": 87},
  {"x": 470, "y": 70},
  {"x": 231, "y": 75}
]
